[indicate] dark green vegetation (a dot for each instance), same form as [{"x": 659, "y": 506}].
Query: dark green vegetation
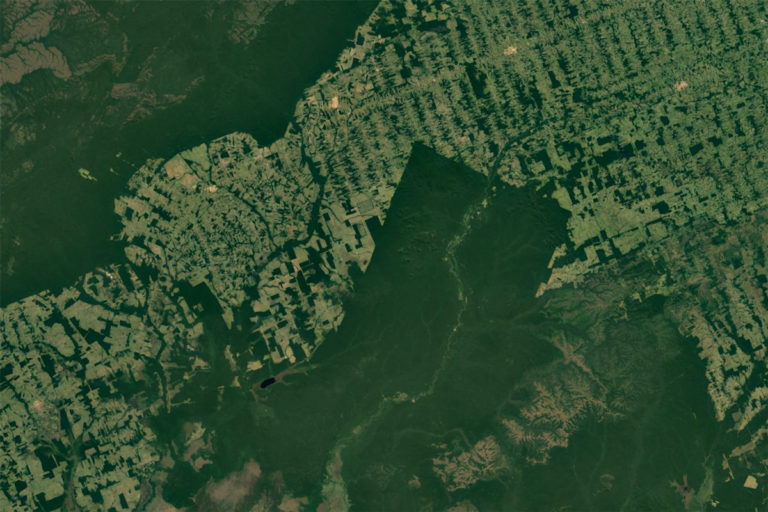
[
  {"x": 154, "y": 78},
  {"x": 458, "y": 364},
  {"x": 500, "y": 259},
  {"x": 629, "y": 463}
]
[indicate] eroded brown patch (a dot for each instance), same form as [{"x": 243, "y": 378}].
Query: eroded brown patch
[
  {"x": 482, "y": 462},
  {"x": 231, "y": 492},
  {"x": 684, "y": 490}
]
